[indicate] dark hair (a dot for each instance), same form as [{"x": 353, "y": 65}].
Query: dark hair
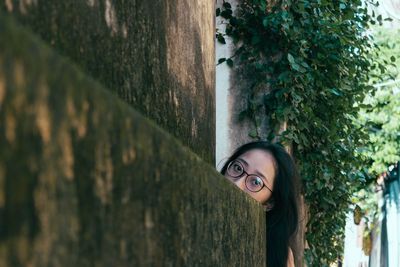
[{"x": 282, "y": 219}]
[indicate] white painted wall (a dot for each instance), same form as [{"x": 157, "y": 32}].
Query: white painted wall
[
  {"x": 223, "y": 84},
  {"x": 353, "y": 254}
]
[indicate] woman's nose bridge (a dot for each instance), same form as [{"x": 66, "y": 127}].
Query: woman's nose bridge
[{"x": 241, "y": 182}]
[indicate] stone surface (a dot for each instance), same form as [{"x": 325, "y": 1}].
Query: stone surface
[
  {"x": 85, "y": 180},
  {"x": 156, "y": 55}
]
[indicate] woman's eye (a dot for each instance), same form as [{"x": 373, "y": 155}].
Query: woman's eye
[
  {"x": 257, "y": 181},
  {"x": 237, "y": 168}
]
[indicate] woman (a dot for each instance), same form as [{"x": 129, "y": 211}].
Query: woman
[{"x": 268, "y": 174}]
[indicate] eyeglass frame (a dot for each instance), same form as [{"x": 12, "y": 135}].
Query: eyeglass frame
[{"x": 247, "y": 176}]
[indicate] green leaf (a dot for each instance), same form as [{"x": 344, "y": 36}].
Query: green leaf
[
  {"x": 263, "y": 5},
  {"x": 271, "y": 136},
  {"x": 229, "y": 62},
  {"x": 298, "y": 67},
  {"x": 382, "y": 68},
  {"x": 304, "y": 64},
  {"x": 227, "y": 13},
  {"x": 227, "y": 5},
  {"x": 221, "y": 60},
  {"x": 295, "y": 66},
  {"x": 265, "y": 22},
  {"x": 392, "y": 58},
  {"x": 221, "y": 39},
  {"x": 290, "y": 58},
  {"x": 218, "y": 12},
  {"x": 253, "y": 133},
  {"x": 336, "y": 92},
  {"x": 234, "y": 22}
]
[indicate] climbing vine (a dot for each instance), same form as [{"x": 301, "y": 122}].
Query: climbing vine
[{"x": 309, "y": 63}]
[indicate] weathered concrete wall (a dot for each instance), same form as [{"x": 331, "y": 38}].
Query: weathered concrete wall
[
  {"x": 87, "y": 181},
  {"x": 156, "y": 55}
]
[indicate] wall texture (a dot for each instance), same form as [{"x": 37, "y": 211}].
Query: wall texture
[
  {"x": 87, "y": 181},
  {"x": 156, "y": 55}
]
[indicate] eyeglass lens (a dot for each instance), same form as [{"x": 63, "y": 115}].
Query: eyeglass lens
[
  {"x": 253, "y": 182},
  {"x": 235, "y": 169}
]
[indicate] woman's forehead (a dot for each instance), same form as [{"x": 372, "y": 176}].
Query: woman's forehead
[{"x": 259, "y": 161}]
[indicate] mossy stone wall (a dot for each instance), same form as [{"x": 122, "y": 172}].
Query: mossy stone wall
[
  {"x": 85, "y": 180},
  {"x": 156, "y": 55}
]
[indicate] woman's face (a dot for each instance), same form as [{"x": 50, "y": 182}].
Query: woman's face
[{"x": 254, "y": 164}]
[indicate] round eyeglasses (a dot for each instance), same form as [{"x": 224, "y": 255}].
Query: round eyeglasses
[{"x": 253, "y": 182}]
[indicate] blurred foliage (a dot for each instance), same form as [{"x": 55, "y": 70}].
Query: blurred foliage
[
  {"x": 381, "y": 115},
  {"x": 310, "y": 63},
  {"x": 381, "y": 118},
  {"x": 387, "y": 40}
]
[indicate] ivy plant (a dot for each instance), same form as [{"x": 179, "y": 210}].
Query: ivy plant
[{"x": 309, "y": 62}]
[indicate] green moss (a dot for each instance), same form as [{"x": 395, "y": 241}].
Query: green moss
[{"x": 87, "y": 181}]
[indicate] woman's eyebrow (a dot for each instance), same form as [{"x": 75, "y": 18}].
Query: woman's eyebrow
[
  {"x": 257, "y": 172},
  {"x": 243, "y": 161}
]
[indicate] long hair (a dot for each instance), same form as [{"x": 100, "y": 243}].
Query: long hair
[{"x": 282, "y": 219}]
